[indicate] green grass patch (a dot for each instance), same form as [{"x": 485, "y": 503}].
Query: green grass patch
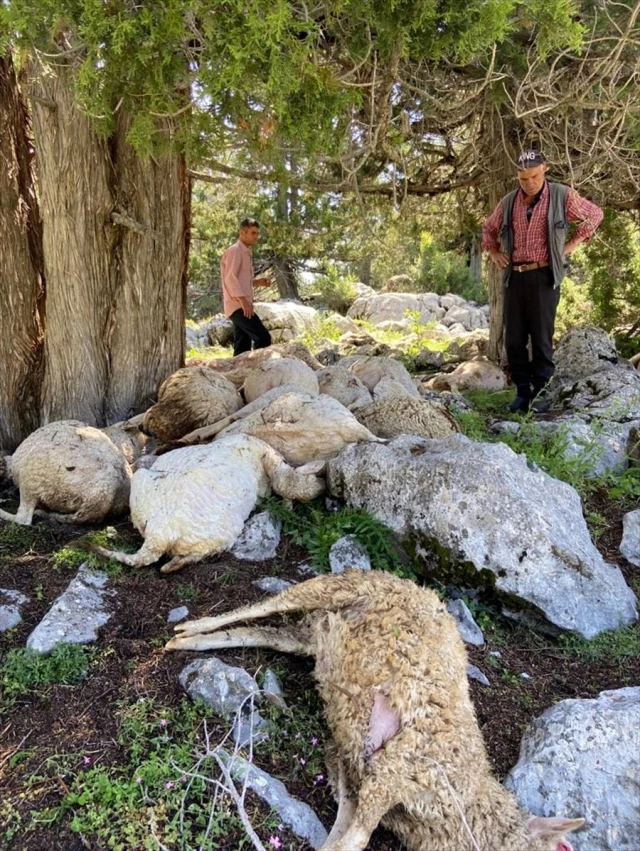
[
  {"x": 611, "y": 646},
  {"x": 15, "y": 538},
  {"x": 311, "y": 526},
  {"x": 24, "y": 671},
  {"x": 491, "y": 404}
]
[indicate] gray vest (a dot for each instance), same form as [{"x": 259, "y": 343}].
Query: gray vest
[{"x": 557, "y": 228}]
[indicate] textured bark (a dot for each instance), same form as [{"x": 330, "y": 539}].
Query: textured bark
[
  {"x": 145, "y": 321},
  {"x": 115, "y": 240},
  {"x": 21, "y": 281},
  {"x": 76, "y": 205}
]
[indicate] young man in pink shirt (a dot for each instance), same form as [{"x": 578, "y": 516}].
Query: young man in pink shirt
[
  {"x": 526, "y": 238},
  {"x": 236, "y": 273}
]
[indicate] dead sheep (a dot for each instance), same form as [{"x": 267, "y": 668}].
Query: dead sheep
[
  {"x": 407, "y": 749},
  {"x": 128, "y": 438},
  {"x": 372, "y": 370},
  {"x": 236, "y": 369},
  {"x": 187, "y": 400},
  {"x": 479, "y": 374},
  {"x": 71, "y": 471},
  {"x": 388, "y": 417},
  {"x": 278, "y": 372},
  {"x": 303, "y": 428},
  {"x": 338, "y": 382},
  {"x": 193, "y": 502}
]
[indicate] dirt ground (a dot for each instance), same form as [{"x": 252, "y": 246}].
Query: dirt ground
[{"x": 130, "y": 665}]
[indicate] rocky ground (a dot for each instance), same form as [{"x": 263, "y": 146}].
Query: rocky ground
[{"x": 72, "y": 754}]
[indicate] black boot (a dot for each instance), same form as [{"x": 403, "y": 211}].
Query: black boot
[
  {"x": 541, "y": 403},
  {"x": 520, "y": 404}
]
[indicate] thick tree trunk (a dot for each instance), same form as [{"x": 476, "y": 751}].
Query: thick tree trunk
[
  {"x": 115, "y": 243},
  {"x": 285, "y": 278},
  {"x": 145, "y": 323},
  {"x": 21, "y": 281}
]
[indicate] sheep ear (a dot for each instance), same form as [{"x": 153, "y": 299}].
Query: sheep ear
[{"x": 553, "y": 828}]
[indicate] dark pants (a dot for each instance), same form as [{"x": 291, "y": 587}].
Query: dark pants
[
  {"x": 248, "y": 331},
  {"x": 530, "y": 306}
]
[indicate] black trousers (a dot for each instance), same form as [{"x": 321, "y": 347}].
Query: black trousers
[
  {"x": 530, "y": 306},
  {"x": 248, "y": 331}
]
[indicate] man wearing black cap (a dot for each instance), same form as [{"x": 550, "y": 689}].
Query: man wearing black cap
[{"x": 526, "y": 237}]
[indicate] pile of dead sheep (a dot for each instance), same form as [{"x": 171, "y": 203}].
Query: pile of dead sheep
[{"x": 224, "y": 434}]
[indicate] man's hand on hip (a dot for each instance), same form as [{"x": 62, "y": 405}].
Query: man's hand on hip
[
  {"x": 247, "y": 307},
  {"x": 499, "y": 259}
]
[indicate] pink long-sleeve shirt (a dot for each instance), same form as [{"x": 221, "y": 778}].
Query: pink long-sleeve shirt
[
  {"x": 236, "y": 273},
  {"x": 531, "y": 239}
]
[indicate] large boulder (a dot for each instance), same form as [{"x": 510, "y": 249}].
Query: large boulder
[
  {"x": 286, "y": 319},
  {"x": 478, "y": 513},
  {"x": 583, "y": 351},
  {"x": 582, "y": 758},
  {"x": 394, "y": 307}
]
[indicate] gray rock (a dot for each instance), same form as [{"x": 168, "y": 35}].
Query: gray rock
[
  {"x": 630, "y": 545},
  {"x": 77, "y": 614},
  {"x": 178, "y": 614},
  {"x": 11, "y": 602},
  {"x": 427, "y": 359},
  {"x": 458, "y": 329},
  {"x": 219, "y": 331},
  {"x": 467, "y": 627},
  {"x": 286, "y": 319},
  {"x": 298, "y": 816},
  {"x": 348, "y": 554},
  {"x": 581, "y": 758},
  {"x": 272, "y": 584},
  {"x": 260, "y": 538},
  {"x": 272, "y": 689},
  {"x": 225, "y": 689},
  {"x": 492, "y": 513},
  {"x": 451, "y": 300},
  {"x": 474, "y": 673},
  {"x": 612, "y": 394},
  {"x": 583, "y": 352}
]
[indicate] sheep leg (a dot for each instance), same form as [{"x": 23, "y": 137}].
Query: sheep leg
[
  {"x": 282, "y": 640},
  {"x": 346, "y": 807},
  {"x": 24, "y": 514},
  {"x": 331, "y": 593},
  {"x": 178, "y": 562},
  {"x": 146, "y": 555},
  {"x": 375, "y": 799}
]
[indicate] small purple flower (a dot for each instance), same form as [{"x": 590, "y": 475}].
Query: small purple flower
[
  {"x": 275, "y": 842},
  {"x": 314, "y": 741},
  {"x": 303, "y": 761},
  {"x": 319, "y": 778},
  {"x": 87, "y": 760},
  {"x": 298, "y": 735},
  {"x": 168, "y": 784},
  {"x": 280, "y": 826},
  {"x": 183, "y": 779},
  {"x": 163, "y": 722},
  {"x": 138, "y": 779}
]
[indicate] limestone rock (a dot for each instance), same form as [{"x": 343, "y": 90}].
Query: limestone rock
[
  {"x": 259, "y": 539},
  {"x": 178, "y": 614},
  {"x": 11, "y": 601},
  {"x": 468, "y": 628},
  {"x": 474, "y": 673},
  {"x": 583, "y": 352},
  {"x": 286, "y": 319},
  {"x": 348, "y": 554},
  {"x": 630, "y": 545},
  {"x": 271, "y": 584}
]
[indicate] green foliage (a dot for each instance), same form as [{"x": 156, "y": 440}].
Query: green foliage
[
  {"x": 575, "y": 307},
  {"x": 336, "y": 290},
  {"x": 624, "y": 486},
  {"x": 25, "y": 671},
  {"x": 15, "y": 538},
  {"x": 612, "y": 646},
  {"x": 317, "y": 530},
  {"x": 472, "y": 424},
  {"x": 442, "y": 271}
]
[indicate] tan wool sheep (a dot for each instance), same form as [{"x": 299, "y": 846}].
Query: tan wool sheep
[
  {"x": 278, "y": 372},
  {"x": 407, "y": 750},
  {"x": 338, "y": 382},
  {"x": 194, "y": 501},
  {"x": 303, "y": 428},
  {"x": 479, "y": 374},
  {"x": 371, "y": 370},
  {"x": 70, "y": 469},
  {"x": 189, "y": 399},
  {"x": 388, "y": 417},
  {"x": 236, "y": 369}
]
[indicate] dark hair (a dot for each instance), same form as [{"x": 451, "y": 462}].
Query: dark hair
[{"x": 249, "y": 223}]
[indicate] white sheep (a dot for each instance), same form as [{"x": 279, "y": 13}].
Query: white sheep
[
  {"x": 279, "y": 372},
  {"x": 190, "y": 398},
  {"x": 407, "y": 749},
  {"x": 236, "y": 369},
  {"x": 480, "y": 374},
  {"x": 194, "y": 501},
  {"x": 128, "y": 438},
  {"x": 303, "y": 428},
  {"x": 371, "y": 370},
  {"x": 70, "y": 469},
  {"x": 390, "y": 416},
  {"x": 338, "y": 382}
]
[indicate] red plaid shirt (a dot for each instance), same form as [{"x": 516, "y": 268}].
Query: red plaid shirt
[{"x": 530, "y": 239}]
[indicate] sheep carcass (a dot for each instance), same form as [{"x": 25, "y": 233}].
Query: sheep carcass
[
  {"x": 479, "y": 374},
  {"x": 189, "y": 399},
  {"x": 390, "y": 416},
  {"x": 236, "y": 369},
  {"x": 276, "y": 373},
  {"x": 371, "y": 371},
  {"x": 391, "y": 669},
  {"x": 338, "y": 382},
  {"x": 69, "y": 469},
  {"x": 303, "y": 428},
  {"x": 194, "y": 502}
]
